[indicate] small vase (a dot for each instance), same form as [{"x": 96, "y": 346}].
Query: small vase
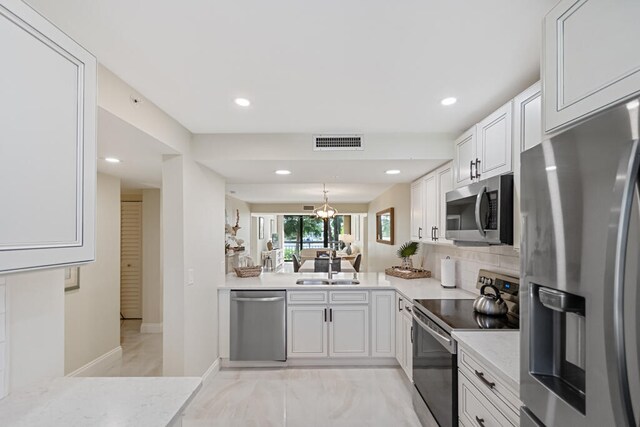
[{"x": 407, "y": 263}]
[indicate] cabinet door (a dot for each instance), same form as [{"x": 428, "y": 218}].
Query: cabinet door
[
  {"x": 464, "y": 158},
  {"x": 430, "y": 206},
  {"x": 527, "y": 132},
  {"x": 587, "y": 64},
  {"x": 417, "y": 231},
  {"x": 445, "y": 184},
  {"x": 307, "y": 331},
  {"x": 349, "y": 331},
  {"x": 47, "y": 143},
  {"x": 399, "y": 301},
  {"x": 383, "y": 318},
  {"x": 494, "y": 143},
  {"x": 408, "y": 346}
]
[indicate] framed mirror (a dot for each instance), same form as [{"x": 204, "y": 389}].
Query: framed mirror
[{"x": 384, "y": 226}]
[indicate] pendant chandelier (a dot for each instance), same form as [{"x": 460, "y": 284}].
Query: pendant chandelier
[{"x": 325, "y": 211}]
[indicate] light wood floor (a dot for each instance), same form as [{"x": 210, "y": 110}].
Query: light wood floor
[{"x": 141, "y": 353}]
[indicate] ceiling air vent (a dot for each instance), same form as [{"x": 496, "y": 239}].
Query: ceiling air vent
[
  {"x": 337, "y": 143},
  {"x": 308, "y": 207}
]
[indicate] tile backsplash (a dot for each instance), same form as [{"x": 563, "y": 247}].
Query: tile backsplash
[{"x": 469, "y": 260}]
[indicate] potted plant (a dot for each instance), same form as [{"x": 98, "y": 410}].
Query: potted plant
[{"x": 405, "y": 252}]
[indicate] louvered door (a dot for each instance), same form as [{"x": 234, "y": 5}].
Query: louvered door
[{"x": 131, "y": 260}]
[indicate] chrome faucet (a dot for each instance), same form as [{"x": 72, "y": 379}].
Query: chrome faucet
[{"x": 330, "y": 274}]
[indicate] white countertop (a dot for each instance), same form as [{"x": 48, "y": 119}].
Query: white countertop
[
  {"x": 105, "y": 402},
  {"x": 410, "y": 288},
  {"x": 499, "y": 349}
]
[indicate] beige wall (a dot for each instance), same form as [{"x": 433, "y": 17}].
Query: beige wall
[
  {"x": 35, "y": 327},
  {"x": 378, "y": 255},
  {"x": 92, "y": 313},
  {"x": 151, "y": 261}
]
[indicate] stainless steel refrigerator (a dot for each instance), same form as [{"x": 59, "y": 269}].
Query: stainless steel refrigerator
[{"x": 580, "y": 255}]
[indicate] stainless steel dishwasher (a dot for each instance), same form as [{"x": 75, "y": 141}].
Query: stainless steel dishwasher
[{"x": 258, "y": 325}]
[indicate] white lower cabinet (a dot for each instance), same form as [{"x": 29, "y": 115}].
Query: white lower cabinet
[
  {"x": 349, "y": 331},
  {"x": 307, "y": 331},
  {"x": 340, "y": 324},
  {"x": 404, "y": 335},
  {"x": 483, "y": 398}
]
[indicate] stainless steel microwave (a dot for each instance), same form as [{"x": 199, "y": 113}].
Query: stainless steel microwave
[{"x": 481, "y": 213}]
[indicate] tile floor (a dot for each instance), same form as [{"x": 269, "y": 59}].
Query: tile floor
[
  {"x": 304, "y": 397},
  {"x": 141, "y": 353}
]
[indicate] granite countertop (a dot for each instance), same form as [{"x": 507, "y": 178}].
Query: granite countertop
[
  {"x": 105, "y": 402},
  {"x": 411, "y": 289},
  {"x": 499, "y": 349}
]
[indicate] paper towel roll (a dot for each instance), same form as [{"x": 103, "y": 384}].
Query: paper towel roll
[{"x": 448, "y": 273}]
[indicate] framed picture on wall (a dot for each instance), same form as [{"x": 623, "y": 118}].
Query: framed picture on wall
[{"x": 260, "y": 227}]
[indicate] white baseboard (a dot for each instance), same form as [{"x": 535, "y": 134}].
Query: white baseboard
[
  {"x": 151, "y": 328},
  {"x": 211, "y": 371},
  {"x": 315, "y": 362},
  {"x": 98, "y": 366}
]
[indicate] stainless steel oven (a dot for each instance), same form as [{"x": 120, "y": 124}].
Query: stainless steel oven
[
  {"x": 481, "y": 213},
  {"x": 434, "y": 370}
]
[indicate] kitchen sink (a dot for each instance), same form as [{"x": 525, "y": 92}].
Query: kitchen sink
[{"x": 327, "y": 282}]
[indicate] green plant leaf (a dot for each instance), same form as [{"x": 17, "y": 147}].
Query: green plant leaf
[{"x": 407, "y": 249}]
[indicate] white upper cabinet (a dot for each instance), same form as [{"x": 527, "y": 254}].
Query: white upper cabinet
[
  {"x": 417, "y": 232},
  {"x": 465, "y": 158},
  {"x": 494, "y": 143},
  {"x": 589, "y": 58},
  {"x": 527, "y": 132},
  {"x": 430, "y": 205},
  {"x": 445, "y": 184},
  {"x": 47, "y": 143}
]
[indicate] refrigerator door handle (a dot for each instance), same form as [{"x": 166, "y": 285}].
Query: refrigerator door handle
[
  {"x": 622, "y": 238},
  {"x": 481, "y": 194}
]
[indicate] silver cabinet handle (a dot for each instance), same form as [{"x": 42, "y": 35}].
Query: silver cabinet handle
[
  {"x": 622, "y": 238},
  {"x": 471, "y": 170},
  {"x": 325, "y": 314},
  {"x": 419, "y": 232},
  {"x": 481, "y": 194},
  {"x": 265, "y": 299},
  {"x": 480, "y": 421},
  {"x": 478, "y": 161},
  {"x": 399, "y": 304}
]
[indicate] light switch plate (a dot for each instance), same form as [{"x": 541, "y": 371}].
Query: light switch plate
[{"x": 190, "y": 277}]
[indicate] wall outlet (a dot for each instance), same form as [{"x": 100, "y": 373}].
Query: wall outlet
[{"x": 190, "y": 277}]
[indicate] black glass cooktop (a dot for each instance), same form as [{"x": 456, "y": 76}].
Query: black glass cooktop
[{"x": 459, "y": 314}]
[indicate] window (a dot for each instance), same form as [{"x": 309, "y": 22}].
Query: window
[{"x": 309, "y": 232}]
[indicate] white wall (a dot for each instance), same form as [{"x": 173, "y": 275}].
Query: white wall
[
  {"x": 92, "y": 313},
  {"x": 193, "y": 217},
  {"x": 151, "y": 261},
  {"x": 379, "y": 255},
  {"x": 469, "y": 260},
  {"x": 35, "y": 327},
  {"x": 257, "y": 243}
]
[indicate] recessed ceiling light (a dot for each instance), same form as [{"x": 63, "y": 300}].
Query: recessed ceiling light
[
  {"x": 283, "y": 172},
  {"x": 392, "y": 172},
  {"x": 111, "y": 160},
  {"x": 242, "y": 102},
  {"x": 449, "y": 101}
]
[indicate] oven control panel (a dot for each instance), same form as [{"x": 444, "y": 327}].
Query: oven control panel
[{"x": 508, "y": 286}]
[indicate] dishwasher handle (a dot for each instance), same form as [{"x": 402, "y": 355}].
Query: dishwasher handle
[{"x": 263, "y": 299}]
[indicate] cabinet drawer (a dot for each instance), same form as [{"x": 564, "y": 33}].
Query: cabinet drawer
[
  {"x": 348, "y": 297},
  {"x": 500, "y": 394},
  {"x": 307, "y": 297},
  {"x": 475, "y": 409}
]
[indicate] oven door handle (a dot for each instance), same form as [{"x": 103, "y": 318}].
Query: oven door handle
[
  {"x": 444, "y": 340},
  {"x": 481, "y": 194}
]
